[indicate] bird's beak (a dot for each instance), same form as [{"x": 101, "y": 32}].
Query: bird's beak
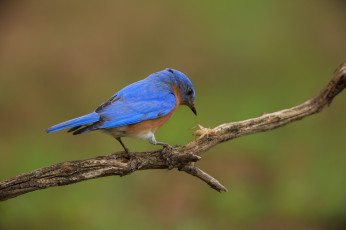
[{"x": 192, "y": 107}]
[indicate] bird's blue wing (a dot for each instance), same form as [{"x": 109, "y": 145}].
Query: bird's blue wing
[{"x": 132, "y": 107}]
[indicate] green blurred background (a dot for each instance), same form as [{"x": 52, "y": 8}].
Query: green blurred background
[{"x": 61, "y": 59}]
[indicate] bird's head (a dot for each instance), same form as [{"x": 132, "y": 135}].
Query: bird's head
[{"x": 185, "y": 87}]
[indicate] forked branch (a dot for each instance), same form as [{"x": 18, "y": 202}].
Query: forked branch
[{"x": 182, "y": 158}]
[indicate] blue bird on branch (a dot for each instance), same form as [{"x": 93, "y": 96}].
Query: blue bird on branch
[{"x": 137, "y": 110}]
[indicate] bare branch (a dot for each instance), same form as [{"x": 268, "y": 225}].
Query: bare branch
[
  {"x": 182, "y": 158},
  {"x": 197, "y": 172}
]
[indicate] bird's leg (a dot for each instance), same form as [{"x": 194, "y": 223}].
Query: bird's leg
[
  {"x": 166, "y": 151},
  {"x": 122, "y": 144},
  {"x": 166, "y": 146},
  {"x": 153, "y": 141}
]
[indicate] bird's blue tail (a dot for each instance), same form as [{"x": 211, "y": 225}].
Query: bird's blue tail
[{"x": 83, "y": 120}]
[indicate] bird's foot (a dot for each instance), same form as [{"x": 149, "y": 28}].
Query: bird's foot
[
  {"x": 167, "y": 146},
  {"x": 127, "y": 155},
  {"x": 127, "y": 151}
]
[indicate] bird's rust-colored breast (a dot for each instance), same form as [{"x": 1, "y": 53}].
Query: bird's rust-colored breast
[{"x": 153, "y": 124}]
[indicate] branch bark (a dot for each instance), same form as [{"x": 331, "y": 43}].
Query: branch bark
[{"x": 182, "y": 158}]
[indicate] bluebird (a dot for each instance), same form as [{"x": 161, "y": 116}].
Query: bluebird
[{"x": 137, "y": 110}]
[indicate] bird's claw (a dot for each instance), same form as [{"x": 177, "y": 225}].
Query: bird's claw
[
  {"x": 167, "y": 148},
  {"x": 170, "y": 147},
  {"x": 127, "y": 155}
]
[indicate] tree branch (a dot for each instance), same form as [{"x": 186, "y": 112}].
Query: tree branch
[{"x": 182, "y": 158}]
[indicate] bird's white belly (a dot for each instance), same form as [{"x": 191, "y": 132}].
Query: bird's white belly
[
  {"x": 121, "y": 132},
  {"x": 144, "y": 135}
]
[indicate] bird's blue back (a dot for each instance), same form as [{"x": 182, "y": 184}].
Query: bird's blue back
[{"x": 143, "y": 100}]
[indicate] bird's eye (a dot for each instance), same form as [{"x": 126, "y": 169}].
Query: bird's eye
[{"x": 189, "y": 91}]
